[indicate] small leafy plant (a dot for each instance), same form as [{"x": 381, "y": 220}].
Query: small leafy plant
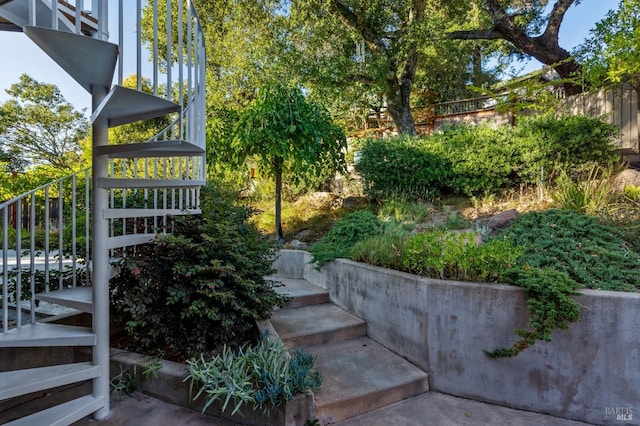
[
  {"x": 354, "y": 227},
  {"x": 457, "y": 256},
  {"x": 262, "y": 376},
  {"x": 123, "y": 383}
]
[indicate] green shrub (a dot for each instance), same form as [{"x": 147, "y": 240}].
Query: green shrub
[
  {"x": 568, "y": 142},
  {"x": 263, "y": 376},
  {"x": 483, "y": 160},
  {"x": 353, "y": 227},
  {"x": 470, "y": 160},
  {"x": 594, "y": 255},
  {"x": 402, "y": 166},
  {"x": 200, "y": 287}
]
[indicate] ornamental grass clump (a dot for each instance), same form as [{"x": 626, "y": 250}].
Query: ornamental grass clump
[{"x": 263, "y": 377}]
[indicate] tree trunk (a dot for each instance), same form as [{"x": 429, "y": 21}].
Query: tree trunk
[
  {"x": 277, "y": 162},
  {"x": 550, "y": 53},
  {"x": 399, "y": 94},
  {"x": 399, "y": 108}
]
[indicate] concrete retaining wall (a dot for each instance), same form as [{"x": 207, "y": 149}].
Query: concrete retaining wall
[{"x": 589, "y": 372}]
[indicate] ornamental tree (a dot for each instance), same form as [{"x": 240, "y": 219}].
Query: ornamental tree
[
  {"x": 42, "y": 125},
  {"x": 612, "y": 54},
  {"x": 283, "y": 132}
]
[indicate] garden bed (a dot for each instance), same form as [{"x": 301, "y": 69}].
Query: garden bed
[{"x": 170, "y": 386}]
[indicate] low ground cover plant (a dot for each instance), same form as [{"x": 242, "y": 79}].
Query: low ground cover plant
[
  {"x": 593, "y": 254},
  {"x": 354, "y": 227},
  {"x": 262, "y": 377}
]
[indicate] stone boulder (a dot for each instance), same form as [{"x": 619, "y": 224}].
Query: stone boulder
[{"x": 627, "y": 177}]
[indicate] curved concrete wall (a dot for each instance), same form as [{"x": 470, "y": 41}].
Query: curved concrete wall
[{"x": 590, "y": 372}]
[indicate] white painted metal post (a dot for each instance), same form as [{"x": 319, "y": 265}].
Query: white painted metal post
[{"x": 100, "y": 257}]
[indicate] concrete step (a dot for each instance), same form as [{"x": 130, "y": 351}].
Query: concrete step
[
  {"x": 302, "y": 292},
  {"x": 359, "y": 375},
  {"x": 316, "y": 324}
]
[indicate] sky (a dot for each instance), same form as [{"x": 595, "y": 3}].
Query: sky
[{"x": 20, "y": 55}]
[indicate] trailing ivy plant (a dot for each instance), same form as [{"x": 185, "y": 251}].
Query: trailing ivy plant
[
  {"x": 563, "y": 251},
  {"x": 548, "y": 293},
  {"x": 264, "y": 376}
]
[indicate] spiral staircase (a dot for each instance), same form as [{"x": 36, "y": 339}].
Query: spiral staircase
[{"x": 126, "y": 196}]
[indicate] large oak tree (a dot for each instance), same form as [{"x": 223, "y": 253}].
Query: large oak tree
[
  {"x": 525, "y": 25},
  {"x": 384, "y": 48}
]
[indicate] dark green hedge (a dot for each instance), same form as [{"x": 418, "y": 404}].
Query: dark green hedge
[{"x": 472, "y": 160}]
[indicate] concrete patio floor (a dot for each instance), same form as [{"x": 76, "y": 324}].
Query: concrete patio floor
[{"x": 430, "y": 408}]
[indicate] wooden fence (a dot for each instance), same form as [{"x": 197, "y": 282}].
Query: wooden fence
[{"x": 618, "y": 106}]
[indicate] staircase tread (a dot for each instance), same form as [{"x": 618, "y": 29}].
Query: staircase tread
[
  {"x": 148, "y": 183},
  {"x": 40, "y": 335},
  {"x": 123, "y": 105},
  {"x": 129, "y": 240},
  {"x": 129, "y": 213},
  {"x": 80, "y": 298},
  {"x": 170, "y": 148},
  {"x": 296, "y": 323},
  {"x": 63, "y": 414},
  {"x": 297, "y": 287},
  {"x": 358, "y": 367},
  {"x": 90, "y": 62},
  {"x": 22, "y": 382}
]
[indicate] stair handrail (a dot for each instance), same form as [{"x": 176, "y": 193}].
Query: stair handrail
[{"x": 38, "y": 201}]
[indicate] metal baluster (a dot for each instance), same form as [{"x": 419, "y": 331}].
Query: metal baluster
[
  {"x": 60, "y": 236},
  {"x": 32, "y": 260},
  {"x": 18, "y": 289},
  {"x": 5, "y": 268}
]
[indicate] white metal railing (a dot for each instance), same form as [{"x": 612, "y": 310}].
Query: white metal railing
[
  {"x": 182, "y": 82},
  {"x": 45, "y": 244}
]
